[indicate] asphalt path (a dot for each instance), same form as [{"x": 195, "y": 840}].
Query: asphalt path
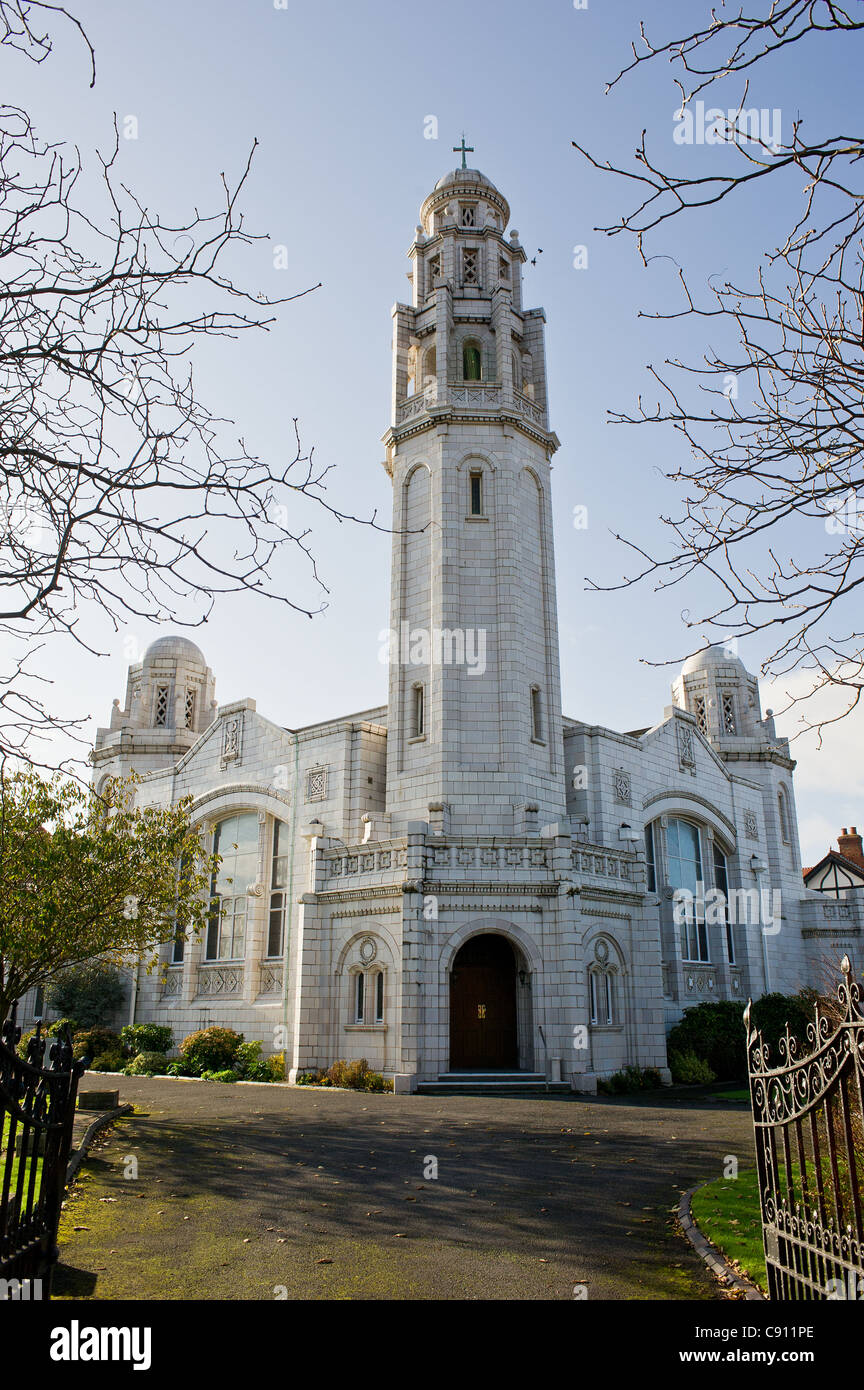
[{"x": 214, "y": 1191}]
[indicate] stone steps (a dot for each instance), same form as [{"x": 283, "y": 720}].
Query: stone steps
[{"x": 492, "y": 1083}]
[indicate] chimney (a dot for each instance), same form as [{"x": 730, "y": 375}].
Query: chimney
[{"x": 850, "y": 846}]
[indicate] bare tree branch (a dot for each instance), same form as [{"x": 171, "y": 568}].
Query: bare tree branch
[
  {"x": 773, "y": 415},
  {"x": 120, "y": 489}
]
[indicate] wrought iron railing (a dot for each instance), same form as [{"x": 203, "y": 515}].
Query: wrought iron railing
[
  {"x": 809, "y": 1123},
  {"x": 37, "y": 1111}
]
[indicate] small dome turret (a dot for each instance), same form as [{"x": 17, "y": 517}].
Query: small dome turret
[
  {"x": 472, "y": 188},
  {"x": 709, "y": 658},
  {"x": 174, "y": 648},
  {"x": 717, "y": 689}
]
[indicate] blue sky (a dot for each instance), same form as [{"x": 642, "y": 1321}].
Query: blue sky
[{"x": 338, "y": 94}]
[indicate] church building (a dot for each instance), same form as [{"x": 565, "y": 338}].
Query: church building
[{"x": 465, "y": 880}]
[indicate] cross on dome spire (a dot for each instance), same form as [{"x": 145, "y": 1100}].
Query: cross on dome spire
[{"x": 463, "y": 149}]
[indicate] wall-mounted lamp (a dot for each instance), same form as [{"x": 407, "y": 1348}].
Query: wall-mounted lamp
[{"x": 758, "y": 865}]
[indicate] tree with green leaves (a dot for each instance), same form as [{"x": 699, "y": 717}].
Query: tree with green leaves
[
  {"x": 90, "y": 993},
  {"x": 85, "y": 876}
]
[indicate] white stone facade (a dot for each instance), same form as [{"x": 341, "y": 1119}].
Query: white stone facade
[{"x": 380, "y": 844}]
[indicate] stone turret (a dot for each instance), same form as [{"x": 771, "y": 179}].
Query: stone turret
[
  {"x": 720, "y": 693},
  {"x": 169, "y": 702}
]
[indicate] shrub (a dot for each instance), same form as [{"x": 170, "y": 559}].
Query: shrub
[
  {"x": 60, "y": 1024},
  {"x": 92, "y": 1042},
  {"x": 376, "y": 1082},
  {"x": 108, "y": 1061},
  {"x": 179, "y": 1068},
  {"x": 146, "y": 1037},
  {"x": 349, "y": 1075},
  {"x": 247, "y": 1058},
  {"x": 770, "y": 1015},
  {"x": 48, "y": 1036},
  {"x": 225, "y": 1075},
  {"x": 715, "y": 1033},
  {"x": 210, "y": 1049},
  {"x": 276, "y": 1063},
  {"x": 312, "y": 1078},
  {"x": 21, "y": 1049},
  {"x": 92, "y": 992},
  {"x": 148, "y": 1064},
  {"x": 689, "y": 1070},
  {"x": 353, "y": 1076},
  {"x": 629, "y": 1080}
]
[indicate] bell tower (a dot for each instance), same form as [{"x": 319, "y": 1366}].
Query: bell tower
[{"x": 474, "y": 735}]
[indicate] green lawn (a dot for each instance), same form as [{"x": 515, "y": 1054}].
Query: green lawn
[
  {"x": 15, "y": 1163},
  {"x": 742, "y": 1094},
  {"x": 727, "y": 1212}
]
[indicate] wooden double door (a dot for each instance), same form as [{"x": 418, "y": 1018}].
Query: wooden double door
[{"x": 483, "y": 1034}]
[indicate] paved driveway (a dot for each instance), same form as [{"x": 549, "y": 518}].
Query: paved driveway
[{"x": 260, "y": 1192}]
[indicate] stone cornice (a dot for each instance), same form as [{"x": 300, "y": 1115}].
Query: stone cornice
[
  {"x": 529, "y": 890},
  {"x": 346, "y": 895},
  {"x": 445, "y": 415},
  {"x": 759, "y": 755},
  {"x": 609, "y": 895}
]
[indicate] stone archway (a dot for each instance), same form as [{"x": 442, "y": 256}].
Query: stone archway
[{"x": 483, "y": 1005}]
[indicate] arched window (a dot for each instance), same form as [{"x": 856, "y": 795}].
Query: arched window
[
  {"x": 527, "y": 375},
  {"x": 684, "y": 870},
  {"x": 472, "y": 361},
  {"x": 430, "y": 365},
  {"x": 721, "y": 881},
  {"x": 279, "y": 870},
  {"x": 650, "y": 859},
  {"x": 236, "y": 840},
  {"x": 475, "y": 486},
  {"x": 517, "y": 370},
  {"x": 602, "y": 995},
  {"x": 367, "y": 996},
  {"x": 783, "y": 814}
]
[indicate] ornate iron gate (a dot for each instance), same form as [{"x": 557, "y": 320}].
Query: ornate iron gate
[
  {"x": 809, "y": 1123},
  {"x": 37, "y": 1110}
]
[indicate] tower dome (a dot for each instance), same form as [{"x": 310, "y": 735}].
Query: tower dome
[
  {"x": 709, "y": 658},
  {"x": 172, "y": 688},
  {"x": 478, "y": 192},
  {"x": 718, "y": 690},
  {"x": 174, "y": 648}
]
